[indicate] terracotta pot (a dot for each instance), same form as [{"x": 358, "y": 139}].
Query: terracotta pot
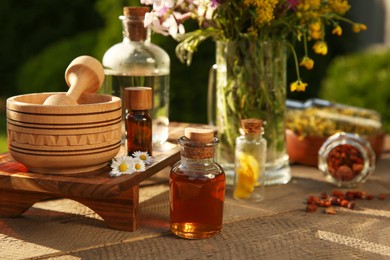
[
  {"x": 64, "y": 139},
  {"x": 305, "y": 150}
]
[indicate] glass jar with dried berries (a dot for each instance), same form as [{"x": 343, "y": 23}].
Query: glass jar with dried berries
[{"x": 346, "y": 159}]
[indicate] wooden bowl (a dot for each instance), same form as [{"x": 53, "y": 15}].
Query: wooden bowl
[
  {"x": 305, "y": 150},
  {"x": 64, "y": 139}
]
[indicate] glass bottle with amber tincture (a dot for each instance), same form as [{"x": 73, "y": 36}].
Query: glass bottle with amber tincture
[
  {"x": 197, "y": 187},
  {"x": 138, "y": 102},
  {"x": 250, "y": 158}
]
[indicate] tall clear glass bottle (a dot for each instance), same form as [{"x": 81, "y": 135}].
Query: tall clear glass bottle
[
  {"x": 250, "y": 160},
  {"x": 136, "y": 62},
  {"x": 197, "y": 187}
]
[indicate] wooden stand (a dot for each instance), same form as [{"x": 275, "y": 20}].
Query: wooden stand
[{"x": 115, "y": 199}]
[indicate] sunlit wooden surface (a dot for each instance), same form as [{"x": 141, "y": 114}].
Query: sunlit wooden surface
[{"x": 277, "y": 228}]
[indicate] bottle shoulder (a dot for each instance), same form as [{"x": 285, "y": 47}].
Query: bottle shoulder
[
  {"x": 139, "y": 116},
  {"x": 148, "y": 57},
  {"x": 192, "y": 170}
]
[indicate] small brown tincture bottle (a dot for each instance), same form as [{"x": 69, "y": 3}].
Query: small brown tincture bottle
[
  {"x": 138, "y": 101},
  {"x": 197, "y": 187}
]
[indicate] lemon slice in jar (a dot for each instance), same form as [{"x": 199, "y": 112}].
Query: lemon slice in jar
[{"x": 247, "y": 172}]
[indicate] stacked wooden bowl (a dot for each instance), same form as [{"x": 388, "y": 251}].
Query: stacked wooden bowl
[{"x": 64, "y": 139}]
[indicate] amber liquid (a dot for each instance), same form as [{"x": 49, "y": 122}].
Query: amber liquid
[
  {"x": 138, "y": 132},
  {"x": 196, "y": 205}
]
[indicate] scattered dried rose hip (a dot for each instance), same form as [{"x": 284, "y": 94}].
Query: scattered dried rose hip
[
  {"x": 337, "y": 198},
  {"x": 338, "y": 194},
  {"x": 330, "y": 210},
  {"x": 345, "y": 162},
  {"x": 344, "y": 203},
  {"x": 311, "y": 208},
  {"x": 351, "y": 205}
]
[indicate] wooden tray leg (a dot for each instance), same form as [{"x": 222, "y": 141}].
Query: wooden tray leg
[
  {"x": 14, "y": 202},
  {"x": 120, "y": 213}
]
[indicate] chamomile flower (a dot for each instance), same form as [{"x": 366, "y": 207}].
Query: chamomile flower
[
  {"x": 138, "y": 165},
  {"x": 121, "y": 165},
  {"x": 143, "y": 156}
]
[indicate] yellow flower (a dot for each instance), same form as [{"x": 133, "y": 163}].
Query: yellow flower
[
  {"x": 298, "y": 85},
  {"x": 307, "y": 63},
  {"x": 316, "y": 26},
  {"x": 264, "y": 9},
  {"x": 248, "y": 172},
  {"x": 358, "y": 27},
  {"x": 316, "y": 30},
  {"x": 320, "y": 47},
  {"x": 316, "y": 35},
  {"x": 337, "y": 30},
  {"x": 309, "y": 4},
  {"x": 339, "y": 6}
]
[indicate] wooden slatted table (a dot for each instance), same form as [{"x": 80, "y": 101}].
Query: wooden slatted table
[{"x": 276, "y": 228}]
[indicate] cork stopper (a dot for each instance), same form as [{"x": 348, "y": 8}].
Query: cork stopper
[
  {"x": 135, "y": 11},
  {"x": 138, "y": 98},
  {"x": 199, "y": 136},
  {"x": 133, "y": 19},
  {"x": 251, "y": 125}
]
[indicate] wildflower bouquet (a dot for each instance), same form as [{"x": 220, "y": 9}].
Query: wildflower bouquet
[
  {"x": 301, "y": 21},
  {"x": 252, "y": 37}
]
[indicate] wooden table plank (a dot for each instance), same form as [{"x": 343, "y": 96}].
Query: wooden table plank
[
  {"x": 96, "y": 184},
  {"x": 276, "y": 228}
]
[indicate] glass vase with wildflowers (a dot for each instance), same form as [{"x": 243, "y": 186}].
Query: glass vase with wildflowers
[
  {"x": 252, "y": 38},
  {"x": 294, "y": 21}
]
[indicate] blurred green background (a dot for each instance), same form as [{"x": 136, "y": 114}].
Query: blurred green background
[{"x": 39, "y": 38}]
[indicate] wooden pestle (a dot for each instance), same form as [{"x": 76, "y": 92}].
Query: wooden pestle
[{"x": 84, "y": 74}]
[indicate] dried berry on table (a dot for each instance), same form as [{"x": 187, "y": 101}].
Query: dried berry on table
[
  {"x": 338, "y": 198},
  {"x": 330, "y": 210},
  {"x": 311, "y": 208},
  {"x": 335, "y": 201},
  {"x": 338, "y": 194},
  {"x": 351, "y": 205}
]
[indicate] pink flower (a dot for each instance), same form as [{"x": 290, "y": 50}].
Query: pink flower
[
  {"x": 215, "y": 3},
  {"x": 152, "y": 20},
  {"x": 173, "y": 27},
  {"x": 292, "y": 3}
]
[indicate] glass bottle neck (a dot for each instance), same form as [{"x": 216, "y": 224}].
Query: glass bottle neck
[
  {"x": 196, "y": 153},
  {"x": 190, "y": 162},
  {"x": 133, "y": 29},
  {"x": 252, "y": 136}
]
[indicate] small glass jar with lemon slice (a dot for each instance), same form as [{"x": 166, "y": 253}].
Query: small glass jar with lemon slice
[{"x": 250, "y": 157}]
